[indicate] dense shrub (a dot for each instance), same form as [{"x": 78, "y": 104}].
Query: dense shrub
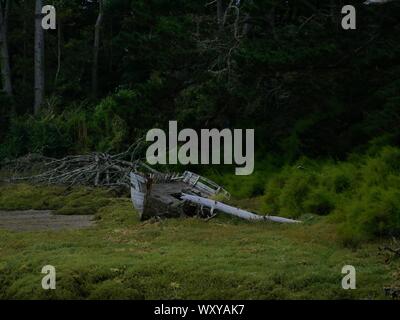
[
  {"x": 320, "y": 201},
  {"x": 49, "y": 133},
  {"x": 375, "y": 212},
  {"x": 362, "y": 195},
  {"x": 244, "y": 186}
]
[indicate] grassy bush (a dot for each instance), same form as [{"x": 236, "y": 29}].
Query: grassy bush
[
  {"x": 320, "y": 202},
  {"x": 242, "y": 187},
  {"x": 362, "y": 195},
  {"x": 291, "y": 192},
  {"x": 375, "y": 213}
]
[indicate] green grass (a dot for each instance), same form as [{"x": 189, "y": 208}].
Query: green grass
[
  {"x": 122, "y": 258},
  {"x": 66, "y": 201}
]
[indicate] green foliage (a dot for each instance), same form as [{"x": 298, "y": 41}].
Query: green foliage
[
  {"x": 28, "y": 134},
  {"x": 373, "y": 213},
  {"x": 295, "y": 192},
  {"x": 49, "y": 133},
  {"x": 320, "y": 201},
  {"x": 362, "y": 196},
  {"x": 242, "y": 187},
  {"x": 112, "y": 125}
]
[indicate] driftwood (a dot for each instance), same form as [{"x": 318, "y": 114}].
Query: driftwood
[
  {"x": 97, "y": 169},
  {"x": 94, "y": 169}
]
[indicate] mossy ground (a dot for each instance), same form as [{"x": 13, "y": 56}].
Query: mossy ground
[
  {"x": 122, "y": 258},
  {"x": 79, "y": 201}
]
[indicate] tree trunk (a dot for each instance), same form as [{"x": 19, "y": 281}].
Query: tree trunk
[
  {"x": 247, "y": 21},
  {"x": 4, "y": 54},
  {"x": 59, "y": 36},
  {"x": 334, "y": 13},
  {"x": 96, "y": 50},
  {"x": 220, "y": 14},
  {"x": 39, "y": 58}
]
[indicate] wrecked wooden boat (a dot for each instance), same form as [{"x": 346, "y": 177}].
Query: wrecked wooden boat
[{"x": 158, "y": 195}]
